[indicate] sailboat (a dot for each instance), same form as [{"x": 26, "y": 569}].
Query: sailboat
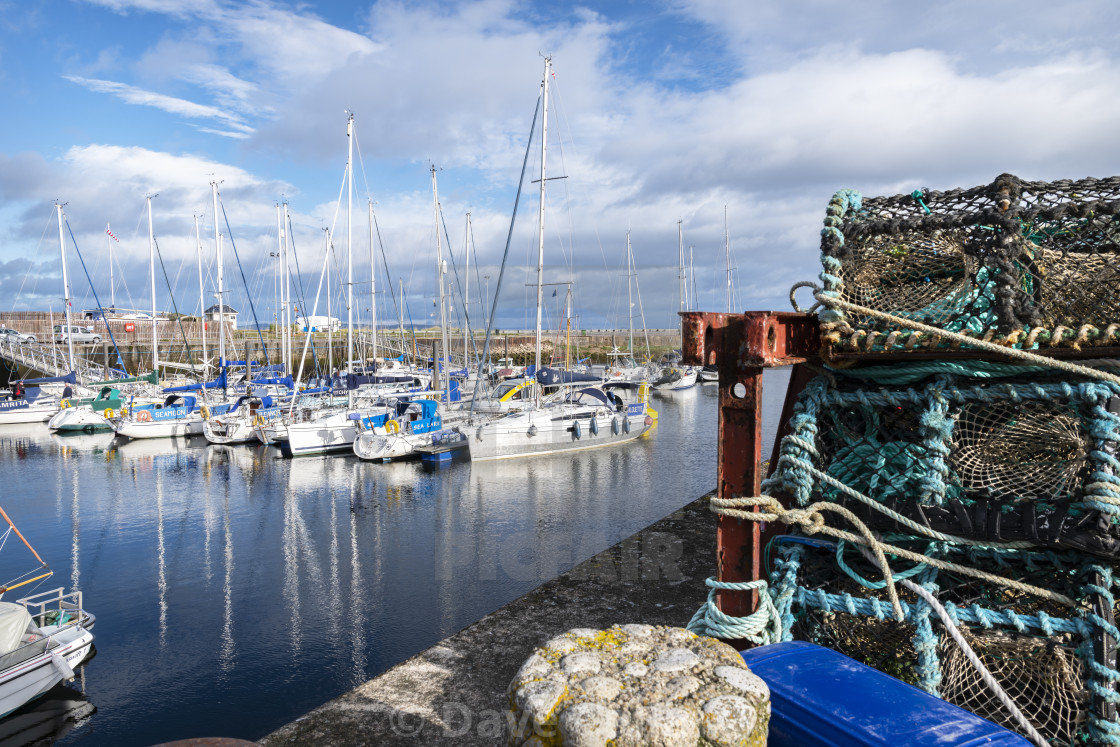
[
  {"x": 417, "y": 422},
  {"x": 675, "y": 377},
  {"x": 97, "y": 413},
  {"x": 42, "y": 636},
  {"x": 334, "y": 429},
  {"x": 177, "y": 415},
  {"x": 577, "y": 418},
  {"x": 29, "y": 403}
]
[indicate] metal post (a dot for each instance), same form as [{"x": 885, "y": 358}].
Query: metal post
[{"x": 743, "y": 346}]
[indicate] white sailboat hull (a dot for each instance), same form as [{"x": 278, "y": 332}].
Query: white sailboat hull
[
  {"x": 686, "y": 381},
  {"x": 79, "y": 419},
  {"x": 375, "y": 447},
  {"x": 191, "y": 426},
  {"x": 534, "y": 433},
  {"x": 233, "y": 431},
  {"x": 332, "y": 433},
  {"x": 32, "y": 414}
]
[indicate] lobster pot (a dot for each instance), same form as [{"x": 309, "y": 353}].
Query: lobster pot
[
  {"x": 1054, "y": 661},
  {"x": 1001, "y": 461},
  {"x": 1025, "y": 264}
]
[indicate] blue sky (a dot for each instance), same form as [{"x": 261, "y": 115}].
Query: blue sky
[{"x": 664, "y": 111}]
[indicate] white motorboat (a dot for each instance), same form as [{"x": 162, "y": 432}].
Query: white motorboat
[
  {"x": 673, "y": 378},
  {"x": 42, "y": 637},
  {"x": 585, "y": 419},
  {"x": 35, "y": 657}
]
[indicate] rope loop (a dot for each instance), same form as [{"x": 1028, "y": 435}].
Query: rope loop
[
  {"x": 793, "y": 300},
  {"x": 761, "y": 627}
]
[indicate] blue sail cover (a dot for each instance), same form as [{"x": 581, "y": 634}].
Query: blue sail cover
[
  {"x": 557, "y": 376},
  {"x": 215, "y": 384},
  {"x": 284, "y": 381},
  {"x": 70, "y": 378}
]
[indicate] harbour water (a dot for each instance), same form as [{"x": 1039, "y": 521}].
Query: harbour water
[{"x": 235, "y": 590}]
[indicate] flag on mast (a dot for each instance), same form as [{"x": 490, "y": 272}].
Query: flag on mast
[{"x": 111, "y": 234}]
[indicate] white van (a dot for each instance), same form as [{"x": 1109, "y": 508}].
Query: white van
[{"x": 76, "y": 333}]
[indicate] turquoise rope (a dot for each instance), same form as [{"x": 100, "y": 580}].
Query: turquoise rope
[{"x": 761, "y": 627}]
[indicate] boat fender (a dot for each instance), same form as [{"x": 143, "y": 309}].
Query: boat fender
[
  {"x": 614, "y": 426},
  {"x": 626, "y": 424},
  {"x": 577, "y": 432},
  {"x": 107, "y": 413},
  {"x": 649, "y": 420},
  {"x": 594, "y": 427},
  {"x": 143, "y": 416},
  {"x": 478, "y": 433},
  {"x": 61, "y": 665},
  {"x": 532, "y": 430},
  {"x": 205, "y": 410}
]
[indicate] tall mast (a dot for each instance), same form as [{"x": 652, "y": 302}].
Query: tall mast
[
  {"x": 152, "y": 263},
  {"x": 201, "y": 297},
  {"x": 372, "y": 289},
  {"x": 680, "y": 256},
  {"x": 444, "y": 376},
  {"x": 221, "y": 300},
  {"x": 691, "y": 283},
  {"x": 680, "y": 273},
  {"x": 727, "y": 254},
  {"x": 349, "y": 249},
  {"x": 65, "y": 287},
  {"x": 112, "y": 290},
  {"x": 467, "y": 291},
  {"x": 330, "y": 319},
  {"x": 540, "y": 242},
  {"x": 276, "y": 279},
  {"x": 630, "y": 290},
  {"x": 400, "y": 317},
  {"x": 285, "y": 294}
]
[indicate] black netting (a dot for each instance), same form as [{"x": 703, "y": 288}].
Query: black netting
[{"x": 1005, "y": 258}]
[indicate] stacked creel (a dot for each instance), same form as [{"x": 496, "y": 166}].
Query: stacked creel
[
  {"x": 1022, "y": 263},
  {"x": 995, "y": 488}
]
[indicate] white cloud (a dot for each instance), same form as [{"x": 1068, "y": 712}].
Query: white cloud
[
  {"x": 132, "y": 95},
  {"x": 169, "y": 7},
  {"x": 228, "y": 88},
  {"x": 880, "y": 97}
]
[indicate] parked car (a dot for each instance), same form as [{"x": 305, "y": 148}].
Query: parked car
[
  {"x": 76, "y": 333},
  {"x": 12, "y": 335}
]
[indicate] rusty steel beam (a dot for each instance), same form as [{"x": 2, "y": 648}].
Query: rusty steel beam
[{"x": 742, "y": 346}]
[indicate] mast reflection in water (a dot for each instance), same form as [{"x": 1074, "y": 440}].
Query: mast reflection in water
[{"x": 236, "y": 590}]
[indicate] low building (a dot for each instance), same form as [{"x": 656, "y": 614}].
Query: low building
[
  {"x": 227, "y": 313},
  {"x": 319, "y": 323}
]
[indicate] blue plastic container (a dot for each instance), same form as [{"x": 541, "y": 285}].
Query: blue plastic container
[{"x": 821, "y": 697}]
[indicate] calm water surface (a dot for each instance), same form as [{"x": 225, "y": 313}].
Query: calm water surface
[{"x": 236, "y": 590}]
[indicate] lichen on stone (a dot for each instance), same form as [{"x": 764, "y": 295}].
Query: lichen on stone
[{"x": 637, "y": 686}]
